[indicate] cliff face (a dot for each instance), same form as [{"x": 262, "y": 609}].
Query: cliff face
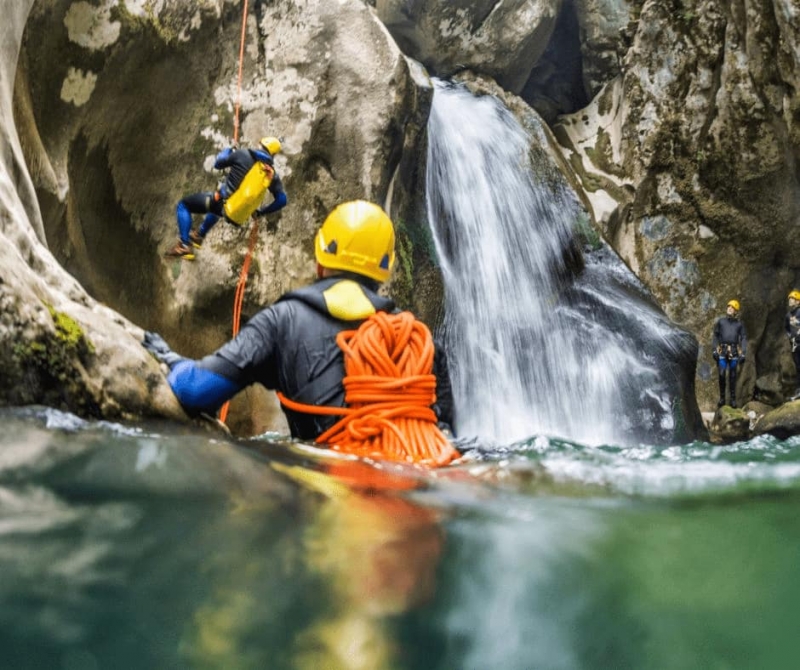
[
  {"x": 57, "y": 344},
  {"x": 678, "y": 122},
  {"x": 121, "y": 108},
  {"x": 689, "y": 157},
  {"x": 679, "y": 118}
]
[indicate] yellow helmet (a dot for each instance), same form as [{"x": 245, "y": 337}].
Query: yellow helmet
[
  {"x": 795, "y": 294},
  {"x": 357, "y": 236},
  {"x": 271, "y": 144},
  {"x": 734, "y": 304}
]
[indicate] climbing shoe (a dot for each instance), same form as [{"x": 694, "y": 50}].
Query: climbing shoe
[
  {"x": 721, "y": 402},
  {"x": 196, "y": 238},
  {"x": 181, "y": 250}
]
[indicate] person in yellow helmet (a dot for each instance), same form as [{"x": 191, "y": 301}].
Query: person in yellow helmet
[
  {"x": 291, "y": 345},
  {"x": 792, "y": 327},
  {"x": 238, "y": 162},
  {"x": 729, "y": 345}
]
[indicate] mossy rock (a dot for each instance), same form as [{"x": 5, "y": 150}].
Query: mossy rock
[{"x": 782, "y": 422}]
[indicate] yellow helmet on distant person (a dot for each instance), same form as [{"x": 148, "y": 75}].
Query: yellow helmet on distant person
[
  {"x": 271, "y": 144},
  {"x": 795, "y": 295},
  {"x": 734, "y": 304},
  {"x": 357, "y": 236}
]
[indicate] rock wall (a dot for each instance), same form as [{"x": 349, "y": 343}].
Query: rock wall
[
  {"x": 121, "y": 107},
  {"x": 58, "y": 345},
  {"x": 679, "y": 119},
  {"x": 689, "y": 156}
]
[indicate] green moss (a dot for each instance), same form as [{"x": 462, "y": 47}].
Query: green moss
[
  {"x": 405, "y": 260},
  {"x": 166, "y": 32},
  {"x": 50, "y": 365},
  {"x": 69, "y": 332},
  {"x": 601, "y": 154},
  {"x": 403, "y": 274},
  {"x": 606, "y": 101},
  {"x": 177, "y": 266},
  {"x": 135, "y": 23},
  {"x": 586, "y": 231}
]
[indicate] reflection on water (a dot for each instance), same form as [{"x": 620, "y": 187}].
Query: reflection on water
[{"x": 171, "y": 548}]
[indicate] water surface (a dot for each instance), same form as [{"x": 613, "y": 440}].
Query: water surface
[{"x": 163, "y": 547}]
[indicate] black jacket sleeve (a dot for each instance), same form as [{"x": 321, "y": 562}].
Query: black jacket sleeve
[{"x": 444, "y": 406}]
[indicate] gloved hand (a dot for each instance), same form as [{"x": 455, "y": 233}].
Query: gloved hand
[
  {"x": 716, "y": 356},
  {"x": 741, "y": 360},
  {"x": 156, "y": 345}
]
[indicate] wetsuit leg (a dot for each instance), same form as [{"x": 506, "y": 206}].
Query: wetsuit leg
[
  {"x": 796, "y": 358},
  {"x": 732, "y": 381},
  {"x": 208, "y": 223},
  {"x": 197, "y": 203},
  {"x": 723, "y": 366}
]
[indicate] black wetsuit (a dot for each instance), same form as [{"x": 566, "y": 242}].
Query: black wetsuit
[
  {"x": 792, "y": 327},
  {"x": 291, "y": 347},
  {"x": 730, "y": 347}
]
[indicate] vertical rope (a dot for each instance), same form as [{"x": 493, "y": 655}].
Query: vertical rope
[
  {"x": 239, "y": 79},
  {"x": 242, "y": 283}
]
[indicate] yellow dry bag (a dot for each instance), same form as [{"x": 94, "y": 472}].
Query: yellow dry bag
[{"x": 246, "y": 199}]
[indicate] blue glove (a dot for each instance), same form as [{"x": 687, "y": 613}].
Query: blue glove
[{"x": 156, "y": 345}]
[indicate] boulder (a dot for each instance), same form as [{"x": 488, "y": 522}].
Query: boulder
[
  {"x": 730, "y": 425},
  {"x": 782, "y": 422}
]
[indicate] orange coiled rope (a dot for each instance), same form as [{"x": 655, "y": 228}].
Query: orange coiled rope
[{"x": 389, "y": 390}]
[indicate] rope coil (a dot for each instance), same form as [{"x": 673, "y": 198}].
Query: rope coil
[{"x": 389, "y": 390}]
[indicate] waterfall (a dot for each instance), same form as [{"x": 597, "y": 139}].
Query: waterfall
[{"x": 532, "y": 350}]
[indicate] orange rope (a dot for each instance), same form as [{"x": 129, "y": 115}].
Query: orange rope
[
  {"x": 239, "y": 81},
  {"x": 239, "y": 298},
  {"x": 240, "y": 286},
  {"x": 389, "y": 390}
]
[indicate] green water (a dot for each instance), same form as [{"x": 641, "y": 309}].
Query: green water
[{"x": 160, "y": 547}]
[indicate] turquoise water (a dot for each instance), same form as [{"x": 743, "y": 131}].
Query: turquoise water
[{"x": 163, "y": 547}]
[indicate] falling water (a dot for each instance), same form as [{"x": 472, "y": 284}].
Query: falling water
[{"x": 528, "y": 353}]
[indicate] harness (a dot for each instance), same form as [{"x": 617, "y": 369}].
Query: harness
[{"x": 729, "y": 351}]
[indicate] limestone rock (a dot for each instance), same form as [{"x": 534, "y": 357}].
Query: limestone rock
[
  {"x": 782, "y": 422},
  {"x": 503, "y": 40},
  {"x": 120, "y": 111},
  {"x": 59, "y": 346},
  {"x": 730, "y": 425},
  {"x": 688, "y": 158},
  {"x": 768, "y": 390}
]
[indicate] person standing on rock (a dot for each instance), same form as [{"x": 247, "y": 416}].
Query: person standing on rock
[
  {"x": 729, "y": 344},
  {"x": 251, "y": 174},
  {"x": 792, "y": 328}
]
